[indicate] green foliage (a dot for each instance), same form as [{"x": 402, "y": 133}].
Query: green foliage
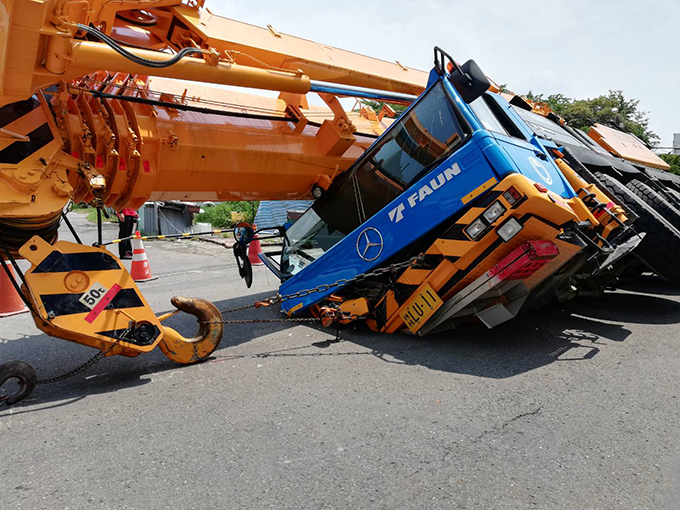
[
  {"x": 92, "y": 215},
  {"x": 611, "y": 109},
  {"x": 377, "y": 106},
  {"x": 219, "y": 215},
  {"x": 82, "y": 207},
  {"x": 673, "y": 160}
]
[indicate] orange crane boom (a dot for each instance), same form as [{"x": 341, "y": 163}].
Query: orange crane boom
[{"x": 109, "y": 122}]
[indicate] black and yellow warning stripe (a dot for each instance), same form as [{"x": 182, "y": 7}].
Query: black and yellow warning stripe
[{"x": 29, "y": 123}]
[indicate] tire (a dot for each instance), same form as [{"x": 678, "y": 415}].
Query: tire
[
  {"x": 654, "y": 200},
  {"x": 660, "y": 249}
]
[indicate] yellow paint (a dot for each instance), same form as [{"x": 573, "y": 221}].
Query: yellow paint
[
  {"x": 479, "y": 190},
  {"x": 420, "y": 307},
  {"x": 626, "y": 146},
  {"x": 413, "y": 276},
  {"x": 450, "y": 248},
  {"x": 73, "y": 327},
  {"x": 294, "y": 309}
]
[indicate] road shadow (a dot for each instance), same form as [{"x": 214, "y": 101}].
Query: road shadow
[
  {"x": 629, "y": 307},
  {"x": 51, "y": 357},
  {"x": 571, "y": 332},
  {"x": 651, "y": 284},
  {"x": 522, "y": 345},
  {"x": 567, "y": 332}
]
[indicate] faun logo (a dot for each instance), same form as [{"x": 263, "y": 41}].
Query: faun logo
[{"x": 397, "y": 214}]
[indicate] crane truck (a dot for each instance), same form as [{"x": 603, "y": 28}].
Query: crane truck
[
  {"x": 622, "y": 166},
  {"x": 452, "y": 211}
]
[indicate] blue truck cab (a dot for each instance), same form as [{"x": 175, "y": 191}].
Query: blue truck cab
[{"x": 456, "y": 178}]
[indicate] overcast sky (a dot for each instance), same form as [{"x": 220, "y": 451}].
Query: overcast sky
[{"x": 581, "y": 48}]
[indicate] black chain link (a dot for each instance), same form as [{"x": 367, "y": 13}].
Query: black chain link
[
  {"x": 306, "y": 292},
  {"x": 344, "y": 281},
  {"x": 273, "y": 300},
  {"x": 258, "y": 321}
]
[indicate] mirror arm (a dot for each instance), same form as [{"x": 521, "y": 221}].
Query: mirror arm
[{"x": 439, "y": 55}]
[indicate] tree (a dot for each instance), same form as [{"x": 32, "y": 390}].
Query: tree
[
  {"x": 612, "y": 109},
  {"x": 377, "y": 106},
  {"x": 673, "y": 160}
]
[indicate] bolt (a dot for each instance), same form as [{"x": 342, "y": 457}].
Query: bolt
[{"x": 51, "y": 315}]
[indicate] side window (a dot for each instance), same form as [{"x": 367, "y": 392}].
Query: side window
[
  {"x": 427, "y": 132},
  {"x": 486, "y": 116},
  {"x": 493, "y": 118}
]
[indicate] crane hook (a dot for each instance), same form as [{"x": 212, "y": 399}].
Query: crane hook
[{"x": 192, "y": 350}]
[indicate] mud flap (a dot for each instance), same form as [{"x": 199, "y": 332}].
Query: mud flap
[{"x": 621, "y": 251}]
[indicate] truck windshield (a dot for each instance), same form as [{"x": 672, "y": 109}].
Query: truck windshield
[{"x": 408, "y": 150}]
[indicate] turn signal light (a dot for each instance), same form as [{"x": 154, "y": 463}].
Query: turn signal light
[{"x": 512, "y": 196}]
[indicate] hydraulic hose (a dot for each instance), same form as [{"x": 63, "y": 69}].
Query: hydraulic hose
[{"x": 157, "y": 64}]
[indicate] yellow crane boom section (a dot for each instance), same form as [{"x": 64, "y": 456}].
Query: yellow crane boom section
[
  {"x": 86, "y": 115},
  {"x": 626, "y": 146},
  {"x": 263, "y": 47}
]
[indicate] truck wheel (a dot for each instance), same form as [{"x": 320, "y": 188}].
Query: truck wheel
[
  {"x": 660, "y": 249},
  {"x": 655, "y": 201}
]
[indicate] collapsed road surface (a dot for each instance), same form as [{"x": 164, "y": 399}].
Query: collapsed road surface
[{"x": 574, "y": 407}]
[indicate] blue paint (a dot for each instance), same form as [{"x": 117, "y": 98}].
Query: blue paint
[{"x": 433, "y": 199}]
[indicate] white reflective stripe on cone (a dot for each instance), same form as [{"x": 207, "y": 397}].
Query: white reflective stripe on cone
[{"x": 138, "y": 255}]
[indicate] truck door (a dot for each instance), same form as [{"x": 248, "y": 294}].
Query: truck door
[{"x": 519, "y": 144}]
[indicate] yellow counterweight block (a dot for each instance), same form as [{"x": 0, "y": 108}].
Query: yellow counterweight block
[{"x": 84, "y": 294}]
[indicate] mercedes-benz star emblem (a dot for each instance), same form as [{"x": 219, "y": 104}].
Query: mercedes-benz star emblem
[{"x": 370, "y": 244}]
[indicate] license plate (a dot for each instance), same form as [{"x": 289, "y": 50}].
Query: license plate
[
  {"x": 420, "y": 307},
  {"x": 93, "y": 295}
]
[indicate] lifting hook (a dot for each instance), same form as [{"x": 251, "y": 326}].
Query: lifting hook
[{"x": 192, "y": 350}]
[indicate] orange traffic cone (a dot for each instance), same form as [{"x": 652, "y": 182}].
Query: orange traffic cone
[
  {"x": 10, "y": 302},
  {"x": 254, "y": 250},
  {"x": 139, "y": 270}
]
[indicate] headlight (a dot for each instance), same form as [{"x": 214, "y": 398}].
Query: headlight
[
  {"x": 475, "y": 229},
  {"x": 493, "y": 212},
  {"x": 509, "y": 229}
]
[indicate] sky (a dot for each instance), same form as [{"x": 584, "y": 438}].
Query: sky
[{"x": 580, "y": 48}]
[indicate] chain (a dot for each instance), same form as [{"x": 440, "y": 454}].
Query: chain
[
  {"x": 92, "y": 361},
  {"x": 276, "y": 299},
  {"x": 262, "y": 321},
  {"x": 306, "y": 292},
  {"x": 345, "y": 281},
  {"x": 239, "y": 308}
]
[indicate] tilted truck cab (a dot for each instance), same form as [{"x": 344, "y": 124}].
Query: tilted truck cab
[{"x": 464, "y": 183}]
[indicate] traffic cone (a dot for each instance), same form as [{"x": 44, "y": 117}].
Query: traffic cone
[
  {"x": 139, "y": 270},
  {"x": 254, "y": 250},
  {"x": 10, "y": 302}
]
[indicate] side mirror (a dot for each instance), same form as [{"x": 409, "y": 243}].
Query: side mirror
[
  {"x": 243, "y": 233},
  {"x": 470, "y": 81}
]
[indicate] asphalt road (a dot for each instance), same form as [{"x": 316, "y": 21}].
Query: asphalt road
[{"x": 572, "y": 408}]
